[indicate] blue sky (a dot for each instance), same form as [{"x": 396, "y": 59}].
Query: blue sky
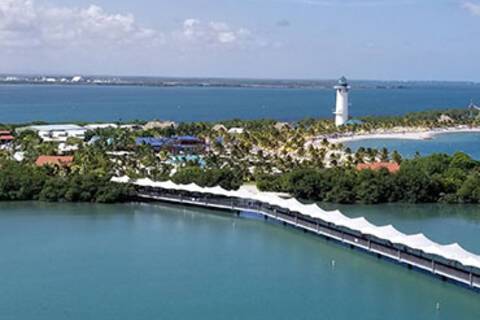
[{"x": 369, "y": 39}]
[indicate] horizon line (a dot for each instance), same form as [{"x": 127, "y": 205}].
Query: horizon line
[{"x": 54, "y": 74}]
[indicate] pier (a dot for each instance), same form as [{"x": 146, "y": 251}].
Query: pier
[{"x": 447, "y": 262}]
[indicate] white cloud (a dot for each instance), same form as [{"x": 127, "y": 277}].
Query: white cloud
[
  {"x": 213, "y": 33},
  {"x": 25, "y": 24},
  {"x": 473, "y": 8},
  {"x": 37, "y": 36}
]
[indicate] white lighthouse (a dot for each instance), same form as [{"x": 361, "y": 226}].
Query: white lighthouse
[{"x": 341, "y": 108}]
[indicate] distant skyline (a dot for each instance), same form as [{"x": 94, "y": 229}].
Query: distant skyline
[{"x": 283, "y": 39}]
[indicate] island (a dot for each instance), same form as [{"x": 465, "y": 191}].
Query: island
[{"x": 306, "y": 159}]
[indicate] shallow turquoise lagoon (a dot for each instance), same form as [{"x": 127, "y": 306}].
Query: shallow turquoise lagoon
[
  {"x": 443, "y": 143},
  {"x": 64, "y": 261}
]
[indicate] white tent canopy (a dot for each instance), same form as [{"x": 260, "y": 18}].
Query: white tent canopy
[
  {"x": 358, "y": 224},
  {"x": 123, "y": 179},
  {"x": 418, "y": 241},
  {"x": 385, "y": 232}
]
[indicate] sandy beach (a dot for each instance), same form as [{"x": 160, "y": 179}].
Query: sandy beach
[{"x": 407, "y": 134}]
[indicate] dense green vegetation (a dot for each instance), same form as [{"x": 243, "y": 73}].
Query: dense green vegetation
[
  {"x": 27, "y": 182},
  {"x": 436, "y": 178}
]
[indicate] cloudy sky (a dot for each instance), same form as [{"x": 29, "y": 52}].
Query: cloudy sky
[{"x": 363, "y": 39}]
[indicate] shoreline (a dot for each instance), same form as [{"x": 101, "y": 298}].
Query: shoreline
[{"x": 407, "y": 134}]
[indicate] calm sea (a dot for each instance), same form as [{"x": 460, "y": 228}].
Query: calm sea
[
  {"x": 82, "y": 261},
  {"x": 443, "y": 143},
  {"x": 67, "y": 261},
  {"x": 24, "y": 103}
]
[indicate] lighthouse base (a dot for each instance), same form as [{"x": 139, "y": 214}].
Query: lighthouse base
[{"x": 340, "y": 119}]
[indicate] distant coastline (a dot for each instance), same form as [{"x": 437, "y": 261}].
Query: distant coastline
[{"x": 6, "y": 79}]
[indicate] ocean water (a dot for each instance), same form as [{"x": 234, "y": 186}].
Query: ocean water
[
  {"x": 443, "y": 143},
  {"x": 54, "y": 103},
  {"x": 69, "y": 261}
]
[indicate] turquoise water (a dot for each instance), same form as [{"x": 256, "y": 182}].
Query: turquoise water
[
  {"x": 23, "y": 103},
  {"x": 443, "y": 143},
  {"x": 64, "y": 261}
]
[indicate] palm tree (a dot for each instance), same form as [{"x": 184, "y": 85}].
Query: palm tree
[{"x": 384, "y": 156}]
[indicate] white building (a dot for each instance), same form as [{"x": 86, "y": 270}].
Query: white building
[
  {"x": 236, "y": 130},
  {"x": 57, "y": 132},
  {"x": 64, "y": 148},
  {"x": 77, "y": 79},
  {"x": 341, "y": 108},
  {"x": 19, "y": 156}
]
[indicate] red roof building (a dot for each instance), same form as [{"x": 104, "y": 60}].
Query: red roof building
[
  {"x": 392, "y": 167},
  {"x": 6, "y": 138},
  {"x": 60, "y": 161}
]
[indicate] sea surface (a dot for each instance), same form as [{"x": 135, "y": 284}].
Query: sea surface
[
  {"x": 56, "y": 103},
  {"x": 133, "y": 261},
  {"x": 448, "y": 143}
]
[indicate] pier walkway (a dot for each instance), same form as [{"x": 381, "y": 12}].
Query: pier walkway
[{"x": 449, "y": 262}]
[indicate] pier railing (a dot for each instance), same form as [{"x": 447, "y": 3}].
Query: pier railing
[{"x": 447, "y": 269}]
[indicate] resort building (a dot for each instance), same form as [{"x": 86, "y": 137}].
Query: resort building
[
  {"x": 54, "y": 161},
  {"x": 156, "y": 144},
  {"x": 392, "y": 167},
  {"x": 341, "y": 108},
  {"x": 235, "y": 130},
  {"x": 64, "y": 148},
  {"x": 6, "y": 137},
  {"x": 57, "y": 132},
  {"x": 182, "y": 144},
  {"x": 189, "y": 144}
]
